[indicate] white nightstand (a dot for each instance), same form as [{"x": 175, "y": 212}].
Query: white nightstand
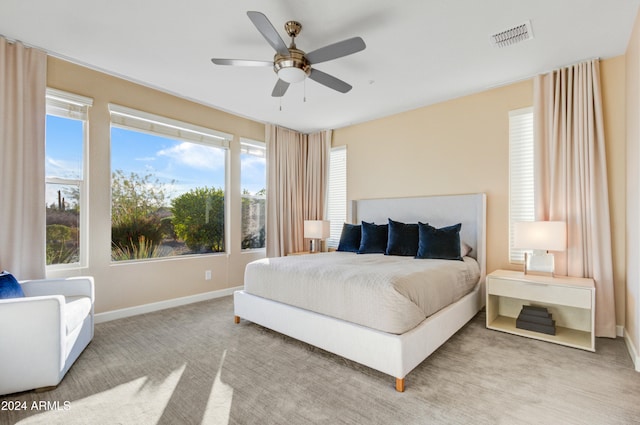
[
  {"x": 298, "y": 253},
  {"x": 570, "y": 300}
]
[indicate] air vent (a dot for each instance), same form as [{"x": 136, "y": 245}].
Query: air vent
[{"x": 513, "y": 35}]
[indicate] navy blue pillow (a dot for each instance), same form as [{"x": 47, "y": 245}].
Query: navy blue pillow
[
  {"x": 403, "y": 239},
  {"x": 9, "y": 286},
  {"x": 350, "y": 238},
  {"x": 443, "y": 243},
  {"x": 374, "y": 238}
]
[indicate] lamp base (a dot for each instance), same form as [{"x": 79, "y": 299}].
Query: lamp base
[
  {"x": 539, "y": 263},
  {"x": 313, "y": 246}
]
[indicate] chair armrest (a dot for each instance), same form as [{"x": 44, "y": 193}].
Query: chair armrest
[
  {"x": 68, "y": 287},
  {"x": 32, "y": 326}
]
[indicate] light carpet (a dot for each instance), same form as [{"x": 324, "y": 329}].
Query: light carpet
[{"x": 193, "y": 365}]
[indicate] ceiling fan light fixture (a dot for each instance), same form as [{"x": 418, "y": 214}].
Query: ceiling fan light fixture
[{"x": 291, "y": 74}]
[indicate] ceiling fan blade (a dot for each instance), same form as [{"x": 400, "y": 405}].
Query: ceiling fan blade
[
  {"x": 329, "y": 81},
  {"x": 241, "y": 62},
  {"x": 268, "y": 32},
  {"x": 280, "y": 88},
  {"x": 336, "y": 50}
]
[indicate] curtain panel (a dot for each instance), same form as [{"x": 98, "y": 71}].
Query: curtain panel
[
  {"x": 571, "y": 178},
  {"x": 297, "y": 174},
  {"x": 23, "y": 80}
]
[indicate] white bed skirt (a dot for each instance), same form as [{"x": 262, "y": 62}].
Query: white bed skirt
[{"x": 394, "y": 355}]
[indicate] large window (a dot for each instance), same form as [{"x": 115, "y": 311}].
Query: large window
[
  {"x": 253, "y": 182},
  {"x": 521, "y": 179},
  {"x": 337, "y": 198},
  {"x": 168, "y": 185},
  {"x": 65, "y": 139}
]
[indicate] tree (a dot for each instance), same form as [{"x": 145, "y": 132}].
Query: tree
[
  {"x": 135, "y": 205},
  {"x": 198, "y": 219},
  {"x": 253, "y": 219}
]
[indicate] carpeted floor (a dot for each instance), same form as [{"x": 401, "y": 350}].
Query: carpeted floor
[{"x": 193, "y": 365}]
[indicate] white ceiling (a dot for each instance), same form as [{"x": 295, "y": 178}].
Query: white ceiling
[{"x": 419, "y": 52}]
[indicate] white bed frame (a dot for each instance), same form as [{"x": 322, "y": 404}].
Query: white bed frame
[{"x": 395, "y": 355}]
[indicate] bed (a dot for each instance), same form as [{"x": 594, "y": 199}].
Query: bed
[{"x": 394, "y": 350}]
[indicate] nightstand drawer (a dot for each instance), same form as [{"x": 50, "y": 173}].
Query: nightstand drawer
[{"x": 540, "y": 292}]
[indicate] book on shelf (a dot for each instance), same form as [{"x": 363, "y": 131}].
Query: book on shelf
[
  {"x": 533, "y": 310},
  {"x": 536, "y": 319},
  {"x": 535, "y": 327}
]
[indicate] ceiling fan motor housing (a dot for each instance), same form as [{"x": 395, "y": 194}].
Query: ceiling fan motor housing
[{"x": 293, "y": 68}]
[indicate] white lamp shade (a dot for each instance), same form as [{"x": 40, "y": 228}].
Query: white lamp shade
[
  {"x": 542, "y": 235},
  {"x": 317, "y": 229}
]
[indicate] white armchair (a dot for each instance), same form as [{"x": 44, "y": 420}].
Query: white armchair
[{"x": 42, "y": 334}]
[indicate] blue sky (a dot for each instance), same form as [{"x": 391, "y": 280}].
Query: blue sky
[{"x": 188, "y": 165}]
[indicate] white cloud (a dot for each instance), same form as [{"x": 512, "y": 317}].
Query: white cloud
[{"x": 196, "y": 156}]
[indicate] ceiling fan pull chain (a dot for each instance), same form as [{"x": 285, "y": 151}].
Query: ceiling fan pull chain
[{"x": 304, "y": 96}]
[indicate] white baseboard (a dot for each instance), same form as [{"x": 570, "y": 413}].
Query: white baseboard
[
  {"x": 161, "y": 305},
  {"x": 620, "y": 330},
  {"x": 633, "y": 352}
]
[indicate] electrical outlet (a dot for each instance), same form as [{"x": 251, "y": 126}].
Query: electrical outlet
[{"x": 207, "y": 275}]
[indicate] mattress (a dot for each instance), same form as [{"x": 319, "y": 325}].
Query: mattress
[{"x": 389, "y": 293}]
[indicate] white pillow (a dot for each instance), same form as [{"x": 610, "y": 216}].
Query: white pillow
[{"x": 464, "y": 249}]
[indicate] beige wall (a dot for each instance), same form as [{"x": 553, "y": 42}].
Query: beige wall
[
  {"x": 123, "y": 285},
  {"x": 632, "y": 79},
  {"x": 462, "y": 146}
]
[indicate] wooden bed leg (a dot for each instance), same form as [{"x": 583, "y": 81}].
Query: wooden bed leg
[
  {"x": 400, "y": 385},
  {"x": 236, "y": 319}
]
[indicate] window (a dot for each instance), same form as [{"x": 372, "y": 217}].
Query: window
[
  {"x": 168, "y": 185},
  {"x": 337, "y": 194},
  {"x": 253, "y": 182},
  {"x": 521, "y": 179},
  {"x": 65, "y": 141}
]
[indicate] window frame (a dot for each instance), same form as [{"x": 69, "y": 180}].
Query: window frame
[
  {"x": 68, "y": 105},
  {"x": 520, "y": 209},
  {"x": 156, "y": 125}
]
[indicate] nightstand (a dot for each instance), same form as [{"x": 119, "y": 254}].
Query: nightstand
[
  {"x": 570, "y": 300},
  {"x": 298, "y": 253}
]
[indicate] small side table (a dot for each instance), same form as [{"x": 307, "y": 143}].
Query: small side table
[{"x": 570, "y": 300}]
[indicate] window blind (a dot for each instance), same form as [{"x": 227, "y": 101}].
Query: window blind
[
  {"x": 156, "y": 124},
  {"x": 337, "y": 194},
  {"x": 67, "y": 105},
  {"x": 521, "y": 177}
]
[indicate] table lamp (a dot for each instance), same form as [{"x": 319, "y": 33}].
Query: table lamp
[
  {"x": 541, "y": 237},
  {"x": 314, "y": 230}
]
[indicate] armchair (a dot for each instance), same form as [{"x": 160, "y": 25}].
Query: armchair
[{"x": 43, "y": 333}]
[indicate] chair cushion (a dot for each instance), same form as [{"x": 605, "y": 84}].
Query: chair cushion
[
  {"x": 9, "y": 286},
  {"x": 76, "y": 310}
]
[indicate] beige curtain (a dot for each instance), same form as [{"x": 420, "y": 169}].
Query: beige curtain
[
  {"x": 317, "y": 175},
  {"x": 297, "y": 168},
  {"x": 23, "y": 79},
  {"x": 571, "y": 178}
]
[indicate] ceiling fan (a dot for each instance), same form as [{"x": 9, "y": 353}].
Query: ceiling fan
[{"x": 292, "y": 64}]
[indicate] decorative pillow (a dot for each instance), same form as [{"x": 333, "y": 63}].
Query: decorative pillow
[
  {"x": 374, "y": 238},
  {"x": 350, "y": 238},
  {"x": 9, "y": 286},
  {"x": 465, "y": 249},
  {"x": 402, "y": 239},
  {"x": 443, "y": 243}
]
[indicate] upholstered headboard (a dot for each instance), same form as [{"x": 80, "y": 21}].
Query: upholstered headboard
[{"x": 438, "y": 211}]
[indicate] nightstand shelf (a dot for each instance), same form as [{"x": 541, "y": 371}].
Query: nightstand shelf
[{"x": 571, "y": 301}]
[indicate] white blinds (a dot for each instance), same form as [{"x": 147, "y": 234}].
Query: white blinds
[
  {"x": 521, "y": 181},
  {"x": 251, "y": 147},
  {"x": 155, "y": 124},
  {"x": 67, "y": 105},
  {"x": 337, "y": 194}
]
